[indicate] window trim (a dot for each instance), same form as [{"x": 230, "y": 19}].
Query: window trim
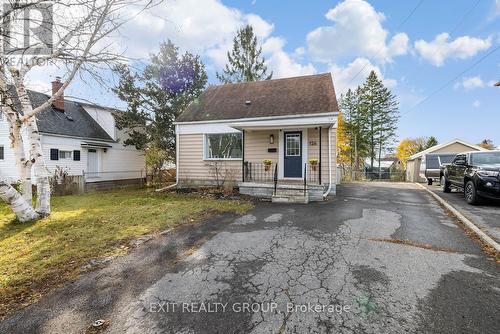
[
  {"x": 205, "y": 148},
  {"x": 70, "y": 155},
  {"x": 299, "y": 147}
]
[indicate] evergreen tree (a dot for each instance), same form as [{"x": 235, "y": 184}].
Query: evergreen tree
[
  {"x": 156, "y": 96},
  {"x": 432, "y": 141},
  {"x": 354, "y": 127},
  {"x": 381, "y": 109},
  {"x": 244, "y": 61}
]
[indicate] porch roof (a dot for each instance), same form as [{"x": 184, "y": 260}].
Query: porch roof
[{"x": 329, "y": 119}]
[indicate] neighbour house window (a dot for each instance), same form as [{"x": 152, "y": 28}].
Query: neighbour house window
[
  {"x": 223, "y": 146},
  {"x": 65, "y": 154},
  {"x": 1, "y": 153}
]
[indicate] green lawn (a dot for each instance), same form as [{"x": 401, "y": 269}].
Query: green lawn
[{"x": 35, "y": 257}]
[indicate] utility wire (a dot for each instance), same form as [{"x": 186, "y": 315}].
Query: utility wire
[
  {"x": 464, "y": 17},
  {"x": 460, "y": 23},
  {"x": 397, "y": 28},
  {"x": 452, "y": 80}
]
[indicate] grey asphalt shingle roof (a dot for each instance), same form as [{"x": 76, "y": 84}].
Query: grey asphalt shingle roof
[
  {"x": 74, "y": 121},
  {"x": 303, "y": 95}
]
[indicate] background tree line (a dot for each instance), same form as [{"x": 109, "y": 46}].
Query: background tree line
[
  {"x": 156, "y": 94},
  {"x": 367, "y": 124}
]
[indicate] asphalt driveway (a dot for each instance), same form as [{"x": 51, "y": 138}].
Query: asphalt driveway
[
  {"x": 379, "y": 258},
  {"x": 485, "y": 215}
]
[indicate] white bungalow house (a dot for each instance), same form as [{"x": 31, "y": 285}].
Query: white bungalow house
[
  {"x": 273, "y": 139},
  {"x": 81, "y": 138}
]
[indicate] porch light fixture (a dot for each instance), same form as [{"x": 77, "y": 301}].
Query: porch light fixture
[{"x": 271, "y": 139}]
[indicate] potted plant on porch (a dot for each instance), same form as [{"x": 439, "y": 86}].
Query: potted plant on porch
[
  {"x": 267, "y": 164},
  {"x": 314, "y": 163}
]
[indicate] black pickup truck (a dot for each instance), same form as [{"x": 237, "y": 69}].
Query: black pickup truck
[{"x": 476, "y": 173}]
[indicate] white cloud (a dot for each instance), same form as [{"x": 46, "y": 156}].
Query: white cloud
[
  {"x": 198, "y": 26},
  {"x": 357, "y": 31},
  {"x": 280, "y": 62},
  {"x": 207, "y": 28},
  {"x": 476, "y": 104},
  {"x": 300, "y": 51},
  {"x": 470, "y": 83},
  {"x": 496, "y": 10},
  {"x": 440, "y": 49},
  {"x": 342, "y": 76}
]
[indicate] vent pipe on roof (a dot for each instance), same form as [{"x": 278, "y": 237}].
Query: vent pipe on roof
[{"x": 248, "y": 102}]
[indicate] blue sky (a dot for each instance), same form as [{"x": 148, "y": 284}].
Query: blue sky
[{"x": 416, "y": 57}]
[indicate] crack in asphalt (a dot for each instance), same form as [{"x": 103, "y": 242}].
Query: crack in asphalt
[{"x": 290, "y": 266}]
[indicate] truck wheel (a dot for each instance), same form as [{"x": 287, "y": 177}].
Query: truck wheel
[
  {"x": 445, "y": 185},
  {"x": 429, "y": 182},
  {"x": 471, "y": 193}
]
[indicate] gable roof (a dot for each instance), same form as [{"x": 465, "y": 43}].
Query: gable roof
[
  {"x": 437, "y": 147},
  {"x": 305, "y": 95},
  {"x": 74, "y": 121}
]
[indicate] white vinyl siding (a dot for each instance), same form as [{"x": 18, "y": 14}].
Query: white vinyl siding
[{"x": 192, "y": 166}]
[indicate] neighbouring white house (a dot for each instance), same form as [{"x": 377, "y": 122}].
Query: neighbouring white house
[
  {"x": 81, "y": 138},
  {"x": 272, "y": 139},
  {"x": 416, "y": 163}
]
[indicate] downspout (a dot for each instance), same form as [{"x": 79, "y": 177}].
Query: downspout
[
  {"x": 176, "y": 162},
  {"x": 329, "y": 163}
]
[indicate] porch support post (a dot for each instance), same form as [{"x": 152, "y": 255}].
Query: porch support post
[
  {"x": 319, "y": 129},
  {"x": 243, "y": 155}
]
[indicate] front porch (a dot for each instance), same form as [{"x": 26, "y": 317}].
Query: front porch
[{"x": 288, "y": 162}]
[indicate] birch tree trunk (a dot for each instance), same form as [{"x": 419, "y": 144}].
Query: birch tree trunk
[
  {"x": 36, "y": 152},
  {"x": 23, "y": 166},
  {"x": 41, "y": 174},
  {"x": 22, "y": 209}
]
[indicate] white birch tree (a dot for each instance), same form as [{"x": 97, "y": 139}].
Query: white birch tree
[{"x": 76, "y": 37}]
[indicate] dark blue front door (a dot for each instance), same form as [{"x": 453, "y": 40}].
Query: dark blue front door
[{"x": 293, "y": 154}]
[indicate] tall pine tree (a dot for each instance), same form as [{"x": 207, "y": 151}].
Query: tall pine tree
[
  {"x": 381, "y": 109},
  {"x": 355, "y": 127},
  {"x": 244, "y": 61}
]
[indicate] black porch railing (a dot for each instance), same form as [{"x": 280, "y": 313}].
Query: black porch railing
[
  {"x": 312, "y": 173},
  {"x": 275, "y": 179},
  {"x": 260, "y": 172}
]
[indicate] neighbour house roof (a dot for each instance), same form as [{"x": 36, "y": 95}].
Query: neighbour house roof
[
  {"x": 384, "y": 162},
  {"x": 73, "y": 121},
  {"x": 437, "y": 147},
  {"x": 305, "y": 95}
]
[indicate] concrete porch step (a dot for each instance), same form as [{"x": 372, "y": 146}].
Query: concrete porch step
[{"x": 279, "y": 198}]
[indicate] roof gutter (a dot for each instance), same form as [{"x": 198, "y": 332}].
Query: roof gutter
[{"x": 335, "y": 113}]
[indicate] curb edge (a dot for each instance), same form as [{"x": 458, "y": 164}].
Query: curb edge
[{"x": 483, "y": 236}]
